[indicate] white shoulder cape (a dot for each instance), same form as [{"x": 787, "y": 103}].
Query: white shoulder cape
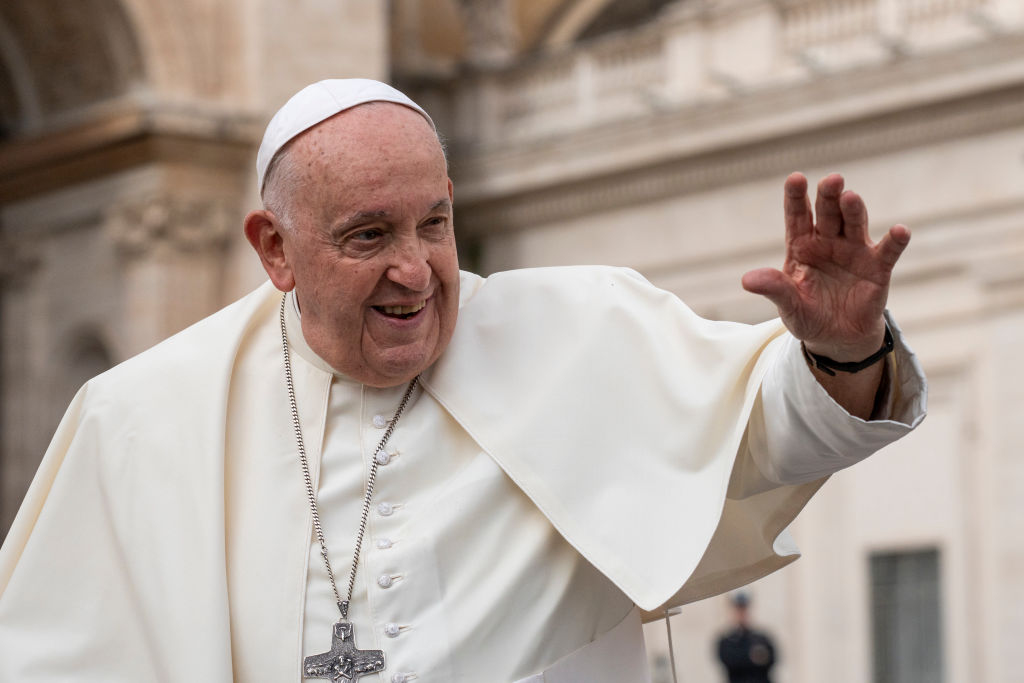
[{"x": 165, "y": 535}]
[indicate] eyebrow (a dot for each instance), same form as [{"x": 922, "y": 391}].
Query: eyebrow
[
  {"x": 364, "y": 216},
  {"x": 441, "y": 204},
  {"x": 357, "y": 218}
]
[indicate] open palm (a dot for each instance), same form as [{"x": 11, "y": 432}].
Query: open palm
[{"x": 832, "y": 288}]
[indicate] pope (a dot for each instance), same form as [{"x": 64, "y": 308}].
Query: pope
[{"x": 378, "y": 467}]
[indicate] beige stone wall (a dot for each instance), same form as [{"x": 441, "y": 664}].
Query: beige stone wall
[{"x": 129, "y": 164}]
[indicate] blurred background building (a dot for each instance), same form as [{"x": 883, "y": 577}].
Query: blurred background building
[{"x": 645, "y": 133}]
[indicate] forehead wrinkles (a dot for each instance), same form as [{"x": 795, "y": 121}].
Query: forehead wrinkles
[
  {"x": 373, "y": 133},
  {"x": 348, "y": 157}
]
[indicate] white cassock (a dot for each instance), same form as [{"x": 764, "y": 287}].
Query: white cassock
[{"x": 579, "y": 455}]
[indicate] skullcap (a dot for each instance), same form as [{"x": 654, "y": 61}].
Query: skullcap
[{"x": 316, "y": 103}]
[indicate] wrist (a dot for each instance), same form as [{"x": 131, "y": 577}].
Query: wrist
[
  {"x": 830, "y": 365},
  {"x": 849, "y": 350}
]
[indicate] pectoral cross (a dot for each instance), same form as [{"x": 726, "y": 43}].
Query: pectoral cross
[{"x": 344, "y": 662}]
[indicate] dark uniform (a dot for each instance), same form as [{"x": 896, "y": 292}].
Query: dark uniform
[{"x": 747, "y": 655}]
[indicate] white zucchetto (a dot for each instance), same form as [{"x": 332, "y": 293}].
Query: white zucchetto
[{"x": 316, "y": 103}]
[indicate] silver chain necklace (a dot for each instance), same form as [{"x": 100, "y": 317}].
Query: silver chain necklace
[{"x": 343, "y": 661}]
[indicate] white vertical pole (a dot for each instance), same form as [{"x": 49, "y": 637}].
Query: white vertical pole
[{"x": 671, "y": 649}]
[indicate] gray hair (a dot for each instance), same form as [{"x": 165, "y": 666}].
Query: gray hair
[{"x": 281, "y": 179}]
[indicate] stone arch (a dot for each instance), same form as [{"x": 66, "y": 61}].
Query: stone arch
[
  {"x": 185, "y": 41},
  {"x": 57, "y": 58},
  {"x": 430, "y": 36},
  {"x": 17, "y": 97},
  {"x": 585, "y": 19}
]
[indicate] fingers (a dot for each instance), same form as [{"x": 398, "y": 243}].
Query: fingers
[
  {"x": 797, "y": 207},
  {"x": 839, "y": 213},
  {"x": 775, "y": 286},
  {"x": 826, "y": 206},
  {"x": 891, "y": 246},
  {"x": 855, "y": 217}
]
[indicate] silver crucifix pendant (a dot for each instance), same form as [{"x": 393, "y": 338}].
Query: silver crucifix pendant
[{"x": 344, "y": 662}]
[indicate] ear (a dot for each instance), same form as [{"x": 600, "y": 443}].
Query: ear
[{"x": 267, "y": 237}]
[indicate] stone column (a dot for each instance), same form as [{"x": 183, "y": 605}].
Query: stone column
[
  {"x": 173, "y": 252},
  {"x": 686, "y": 53},
  {"x": 21, "y": 399}
]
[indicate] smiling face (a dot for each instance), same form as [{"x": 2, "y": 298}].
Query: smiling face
[{"x": 367, "y": 242}]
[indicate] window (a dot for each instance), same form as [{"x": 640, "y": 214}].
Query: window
[{"x": 905, "y": 617}]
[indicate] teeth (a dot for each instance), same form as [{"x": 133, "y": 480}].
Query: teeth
[{"x": 403, "y": 310}]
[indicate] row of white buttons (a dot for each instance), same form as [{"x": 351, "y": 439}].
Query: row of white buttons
[
  {"x": 384, "y": 456},
  {"x": 387, "y": 580},
  {"x": 385, "y": 509}
]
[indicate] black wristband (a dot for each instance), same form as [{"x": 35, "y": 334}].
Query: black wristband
[{"x": 829, "y": 366}]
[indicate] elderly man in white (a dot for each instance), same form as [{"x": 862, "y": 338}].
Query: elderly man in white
[{"x": 376, "y": 467}]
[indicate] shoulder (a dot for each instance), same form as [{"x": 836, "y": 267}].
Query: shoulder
[
  {"x": 559, "y": 284},
  {"x": 195, "y": 355},
  {"x": 168, "y": 406},
  {"x": 527, "y": 277}
]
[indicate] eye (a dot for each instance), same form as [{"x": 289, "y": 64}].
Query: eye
[
  {"x": 361, "y": 241},
  {"x": 366, "y": 235},
  {"x": 436, "y": 225}
]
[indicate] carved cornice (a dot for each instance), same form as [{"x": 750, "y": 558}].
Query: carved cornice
[
  {"x": 515, "y": 193},
  {"x": 654, "y": 127},
  {"x": 120, "y": 136},
  {"x": 158, "y": 223}
]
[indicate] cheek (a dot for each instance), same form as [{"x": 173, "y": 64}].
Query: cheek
[
  {"x": 451, "y": 303},
  {"x": 444, "y": 261},
  {"x": 347, "y": 289}
]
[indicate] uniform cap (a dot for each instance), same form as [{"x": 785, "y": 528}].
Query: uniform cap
[{"x": 740, "y": 598}]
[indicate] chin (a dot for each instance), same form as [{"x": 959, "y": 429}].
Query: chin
[
  {"x": 390, "y": 380},
  {"x": 395, "y": 372}
]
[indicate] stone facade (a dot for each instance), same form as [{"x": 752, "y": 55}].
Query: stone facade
[
  {"x": 579, "y": 133},
  {"x": 127, "y": 159}
]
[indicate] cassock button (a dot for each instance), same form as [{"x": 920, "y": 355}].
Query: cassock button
[
  {"x": 380, "y": 422},
  {"x": 384, "y": 543},
  {"x": 385, "y": 509},
  {"x": 385, "y": 580},
  {"x": 383, "y": 458},
  {"x": 391, "y": 630}
]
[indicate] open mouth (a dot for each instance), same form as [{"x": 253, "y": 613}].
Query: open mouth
[{"x": 401, "y": 312}]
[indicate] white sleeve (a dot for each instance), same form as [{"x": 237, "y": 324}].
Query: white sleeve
[{"x": 798, "y": 433}]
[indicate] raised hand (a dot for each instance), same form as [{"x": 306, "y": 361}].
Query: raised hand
[{"x": 833, "y": 285}]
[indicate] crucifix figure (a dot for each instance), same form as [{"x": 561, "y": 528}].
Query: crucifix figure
[{"x": 344, "y": 662}]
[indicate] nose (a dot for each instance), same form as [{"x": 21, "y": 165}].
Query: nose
[{"x": 410, "y": 266}]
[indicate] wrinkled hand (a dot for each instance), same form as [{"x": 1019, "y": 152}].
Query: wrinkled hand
[{"x": 832, "y": 288}]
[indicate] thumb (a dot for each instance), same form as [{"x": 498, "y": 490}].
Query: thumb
[{"x": 775, "y": 286}]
